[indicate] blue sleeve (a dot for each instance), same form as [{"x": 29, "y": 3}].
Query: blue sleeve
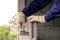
[
  {"x": 34, "y": 6},
  {"x": 54, "y": 12}
]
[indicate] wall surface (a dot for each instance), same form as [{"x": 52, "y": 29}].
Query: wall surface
[{"x": 21, "y": 4}]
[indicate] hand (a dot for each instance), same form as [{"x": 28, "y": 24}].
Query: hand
[
  {"x": 20, "y": 17},
  {"x": 21, "y": 20},
  {"x": 39, "y": 19}
]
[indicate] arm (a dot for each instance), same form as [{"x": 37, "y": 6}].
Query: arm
[
  {"x": 54, "y": 12},
  {"x": 34, "y": 6}
]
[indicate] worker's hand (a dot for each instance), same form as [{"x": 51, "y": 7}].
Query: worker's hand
[
  {"x": 39, "y": 19},
  {"x": 21, "y": 17},
  {"x": 21, "y": 20}
]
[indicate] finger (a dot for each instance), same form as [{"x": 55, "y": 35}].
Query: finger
[
  {"x": 32, "y": 20},
  {"x": 31, "y": 17},
  {"x": 40, "y": 19},
  {"x": 24, "y": 24}
]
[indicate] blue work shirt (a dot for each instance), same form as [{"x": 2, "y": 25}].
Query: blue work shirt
[{"x": 36, "y": 5}]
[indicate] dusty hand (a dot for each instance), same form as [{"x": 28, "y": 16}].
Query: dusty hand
[
  {"x": 20, "y": 17},
  {"x": 39, "y": 19},
  {"x": 21, "y": 20}
]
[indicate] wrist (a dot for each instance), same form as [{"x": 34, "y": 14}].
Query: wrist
[
  {"x": 21, "y": 14},
  {"x": 41, "y": 19}
]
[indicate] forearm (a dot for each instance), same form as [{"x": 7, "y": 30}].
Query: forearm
[
  {"x": 34, "y": 6},
  {"x": 53, "y": 13}
]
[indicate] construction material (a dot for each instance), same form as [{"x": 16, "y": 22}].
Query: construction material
[{"x": 33, "y": 31}]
